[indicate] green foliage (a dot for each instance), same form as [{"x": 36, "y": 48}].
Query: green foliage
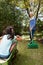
[
  {"x": 9, "y": 15},
  {"x": 39, "y": 25}
]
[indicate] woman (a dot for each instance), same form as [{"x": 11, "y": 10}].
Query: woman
[{"x": 7, "y": 42}]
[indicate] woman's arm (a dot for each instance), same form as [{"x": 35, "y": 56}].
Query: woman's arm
[
  {"x": 12, "y": 47},
  {"x": 18, "y": 38},
  {"x": 0, "y": 38}
]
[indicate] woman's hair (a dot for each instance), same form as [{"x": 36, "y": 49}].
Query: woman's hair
[{"x": 10, "y": 31}]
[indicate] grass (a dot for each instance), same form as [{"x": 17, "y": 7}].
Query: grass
[{"x": 28, "y": 56}]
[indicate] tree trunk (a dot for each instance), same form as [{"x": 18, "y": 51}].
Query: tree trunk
[{"x": 38, "y": 9}]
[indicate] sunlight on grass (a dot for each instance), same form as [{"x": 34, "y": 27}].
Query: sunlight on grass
[{"x": 29, "y": 56}]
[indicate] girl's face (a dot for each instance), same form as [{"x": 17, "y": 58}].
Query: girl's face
[{"x": 31, "y": 15}]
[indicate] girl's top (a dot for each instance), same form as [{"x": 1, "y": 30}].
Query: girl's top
[
  {"x": 32, "y": 23},
  {"x": 5, "y": 45}
]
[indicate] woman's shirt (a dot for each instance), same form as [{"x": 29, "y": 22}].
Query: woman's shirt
[{"x": 5, "y": 45}]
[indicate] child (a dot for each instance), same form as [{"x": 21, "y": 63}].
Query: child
[
  {"x": 7, "y": 42},
  {"x": 32, "y": 26}
]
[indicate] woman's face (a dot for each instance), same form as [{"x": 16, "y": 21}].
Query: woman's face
[{"x": 12, "y": 31}]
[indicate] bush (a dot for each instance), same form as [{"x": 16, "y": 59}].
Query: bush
[
  {"x": 9, "y": 16},
  {"x": 39, "y": 25}
]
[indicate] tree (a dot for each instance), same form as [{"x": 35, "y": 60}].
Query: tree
[{"x": 9, "y": 15}]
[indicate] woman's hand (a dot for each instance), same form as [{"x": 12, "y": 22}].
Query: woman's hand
[{"x": 19, "y": 38}]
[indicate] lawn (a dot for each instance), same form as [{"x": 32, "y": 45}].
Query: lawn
[{"x": 27, "y": 56}]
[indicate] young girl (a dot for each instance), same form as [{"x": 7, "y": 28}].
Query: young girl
[
  {"x": 32, "y": 26},
  {"x": 7, "y": 42}
]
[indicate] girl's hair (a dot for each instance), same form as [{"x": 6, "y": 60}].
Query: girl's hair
[{"x": 10, "y": 31}]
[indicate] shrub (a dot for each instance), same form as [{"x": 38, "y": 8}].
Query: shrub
[
  {"x": 39, "y": 25},
  {"x": 10, "y": 16}
]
